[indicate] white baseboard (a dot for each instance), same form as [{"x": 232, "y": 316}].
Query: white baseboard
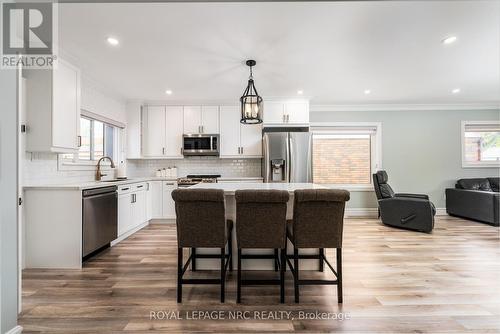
[
  {"x": 373, "y": 212},
  {"x": 441, "y": 212},
  {"x": 163, "y": 221},
  {"x": 129, "y": 233},
  {"x": 361, "y": 212},
  {"x": 16, "y": 330}
]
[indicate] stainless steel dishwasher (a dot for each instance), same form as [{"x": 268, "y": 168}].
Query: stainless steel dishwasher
[{"x": 100, "y": 218}]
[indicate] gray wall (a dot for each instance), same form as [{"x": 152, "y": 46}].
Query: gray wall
[
  {"x": 8, "y": 201},
  {"x": 421, "y": 150}
]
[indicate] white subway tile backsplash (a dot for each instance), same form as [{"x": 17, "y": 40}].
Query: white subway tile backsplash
[
  {"x": 42, "y": 168},
  {"x": 198, "y": 165}
]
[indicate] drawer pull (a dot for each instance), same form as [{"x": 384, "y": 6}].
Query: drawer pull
[
  {"x": 123, "y": 189},
  {"x": 140, "y": 186},
  {"x": 169, "y": 184}
]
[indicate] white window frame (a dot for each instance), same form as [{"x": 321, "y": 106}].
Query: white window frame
[
  {"x": 90, "y": 165},
  {"x": 479, "y": 164},
  {"x": 376, "y": 149}
]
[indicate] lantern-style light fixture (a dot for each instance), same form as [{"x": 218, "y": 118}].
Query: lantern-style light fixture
[{"x": 251, "y": 102}]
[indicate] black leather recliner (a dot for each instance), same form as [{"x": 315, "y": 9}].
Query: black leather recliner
[{"x": 408, "y": 211}]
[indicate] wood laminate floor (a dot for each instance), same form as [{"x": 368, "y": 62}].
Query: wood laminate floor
[{"x": 395, "y": 281}]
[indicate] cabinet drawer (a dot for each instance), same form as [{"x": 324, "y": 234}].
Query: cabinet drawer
[{"x": 132, "y": 187}]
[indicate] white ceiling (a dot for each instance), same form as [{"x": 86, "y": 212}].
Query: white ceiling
[{"x": 332, "y": 51}]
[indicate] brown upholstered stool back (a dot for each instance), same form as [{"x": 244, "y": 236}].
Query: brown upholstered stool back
[
  {"x": 318, "y": 218},
  {"x": 261, "y": 218},
  {"x": 201, "y": 218}
]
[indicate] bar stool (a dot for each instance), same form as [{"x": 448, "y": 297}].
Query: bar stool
[
  {"x": 201, "y": 222},
  {"x": 261, "y": 223},
  {"x": 318, "y": 221}
]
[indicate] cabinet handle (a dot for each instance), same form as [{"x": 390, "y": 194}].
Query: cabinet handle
[
  {"x": 140, "y": 186},
  {"x": 242, "y": 150},
  {"x": 202, "y": 129},
  {"x": 123, "y": 189},
  {"x": 169, "y": 184},
  {"x": 182, "y": 150},
  {"x": 163, "y": 150},
  {"x": 239, "y": 150},
  {"x": 79, "y": 141},
  {"x": 131, "y": 198}
]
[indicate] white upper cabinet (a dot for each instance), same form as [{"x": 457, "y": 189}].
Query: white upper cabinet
[
  {"x": 229, "y": 131},
  {"x": 238, "y": 140},
  {"x": 53, "y": 109},
  {"x": 294, "y": 112},
  {"x": 274, "y": 112},
  {"x": 297, "y": 112},
  {"x": 201, "y": 119},
  {"x": 153, "y": 134},
  {"x": 192, "y": 119},
  {"x": 251, "y": 140},
  {"x": 210, "y": 119},
  {"x": 174, "y": 117},
  {"x": 162, "y": 131}
]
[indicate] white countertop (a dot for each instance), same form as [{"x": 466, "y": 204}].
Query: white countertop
[
  {"x": 240, "y": 178},
  {"x": 230, "y": 187},
  {"x": 100, "y": 184},
  {"x": 95, "y": 184}
]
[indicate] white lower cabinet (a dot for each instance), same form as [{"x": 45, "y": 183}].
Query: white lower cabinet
[
  {"x": 132, "y": 207},
  {"x": 124, "y": 212},
  {"x": 156, "y": 199},
  {"x": 159, "y": 198},
  {"x": 168, "y": 204}
]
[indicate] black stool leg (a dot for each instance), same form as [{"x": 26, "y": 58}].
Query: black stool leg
[
  {"x": 222, "y": 273},
  {"x": 179, "y": 274},
  {"x": 276, "y": 259},
  {"x": 238, "y": 284},
  {"x": 321, "y": 256},
  {"x": 339, "y": 275},
  {"x": 282, "y": 275},
  {"x": 193, "y": 259},
  {"x": 296, "y": 273},
  {"x": 230, "y": 251}
]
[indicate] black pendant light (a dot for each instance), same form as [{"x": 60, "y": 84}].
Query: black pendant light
[{"x": 251, "y": 102}]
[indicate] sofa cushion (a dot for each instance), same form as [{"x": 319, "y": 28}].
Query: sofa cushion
[
  {"x": 494, "y": 183},
  {"x": 474, "y": 184}
]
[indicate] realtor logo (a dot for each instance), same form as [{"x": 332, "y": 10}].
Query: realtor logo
[{"x": 28, "y": 35}]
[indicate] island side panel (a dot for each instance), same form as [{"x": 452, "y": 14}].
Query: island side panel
[{"x": 53, "y": 228}]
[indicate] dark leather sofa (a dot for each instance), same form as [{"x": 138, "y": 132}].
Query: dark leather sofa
[
  {"x": 408, "y": 211},
  {"x": 477, "y": 199}
]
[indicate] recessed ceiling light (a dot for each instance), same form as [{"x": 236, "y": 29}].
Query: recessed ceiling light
[
  {"x": 300, "y": 92},
  {"x": 449, "y": 40},
  {"x": 112, "y": 41},
  {"x": 456, "y": 91},
  {"x": 367, "y": 91},
  {"x": 168, "y": 92}
]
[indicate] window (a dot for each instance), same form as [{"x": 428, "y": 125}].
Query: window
[
  {"x": 98, "y": 139},
  {"x": 480, "y": 143},
  {"x": 346, "y": 155}
]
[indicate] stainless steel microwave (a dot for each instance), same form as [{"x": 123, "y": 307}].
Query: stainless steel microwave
[{"x": 200, "y": 144}]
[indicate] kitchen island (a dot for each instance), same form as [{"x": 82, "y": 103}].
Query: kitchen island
[{"x": 229, "y": 189}]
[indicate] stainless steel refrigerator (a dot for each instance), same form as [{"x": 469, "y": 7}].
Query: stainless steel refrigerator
[{"x": 287, "y": 154}]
